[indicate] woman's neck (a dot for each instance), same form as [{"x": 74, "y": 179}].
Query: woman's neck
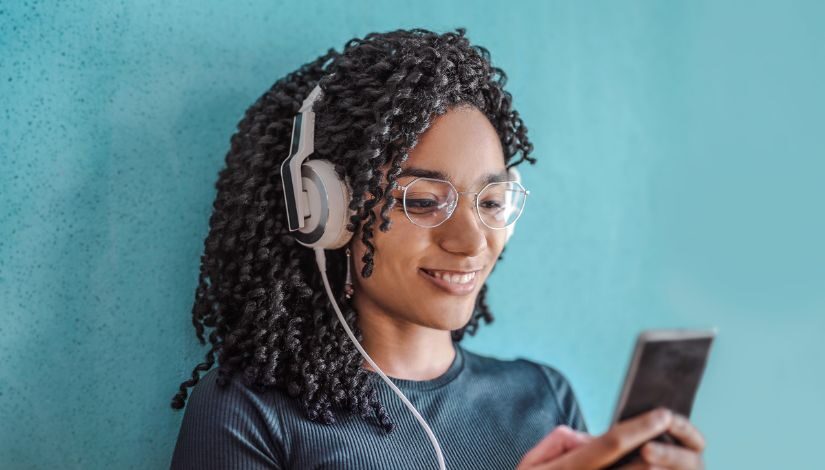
[{"x": 405, "y": 350}]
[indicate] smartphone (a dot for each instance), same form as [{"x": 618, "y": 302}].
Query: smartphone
[{"x": 665, "y": 370}]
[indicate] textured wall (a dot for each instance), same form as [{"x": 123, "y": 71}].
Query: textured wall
[{"x": 678, "y": 184}]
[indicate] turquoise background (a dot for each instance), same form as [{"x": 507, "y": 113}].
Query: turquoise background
[{"x": 679, "y": 183}]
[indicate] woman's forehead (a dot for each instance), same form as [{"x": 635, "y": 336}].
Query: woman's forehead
[{"x": 461, "y": 146}]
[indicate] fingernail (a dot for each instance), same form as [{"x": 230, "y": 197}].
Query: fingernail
[{"x": 664, "y": 416}]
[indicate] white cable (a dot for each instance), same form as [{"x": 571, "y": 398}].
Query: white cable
[{"x": 321, "y": 259}]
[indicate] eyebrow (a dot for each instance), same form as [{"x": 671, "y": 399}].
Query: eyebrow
[{"x": 424, "y": 173}]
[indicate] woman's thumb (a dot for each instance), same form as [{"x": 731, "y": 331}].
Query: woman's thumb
[{"x": 559, "y": 441}]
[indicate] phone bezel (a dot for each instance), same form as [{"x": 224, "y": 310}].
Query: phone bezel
[{"x": 650, "y": 336}]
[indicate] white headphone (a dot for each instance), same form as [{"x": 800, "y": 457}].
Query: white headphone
[
  {"x": 317, "y": 201},
  {"x": 317, "y": 210}
]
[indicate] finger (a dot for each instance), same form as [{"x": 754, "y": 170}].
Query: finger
[
  {"x": 682, "y": 429},
  {"x": 619, "y": 440},
  {"x": 557, "y": 442},
  {"x": 674, "y": 457}
]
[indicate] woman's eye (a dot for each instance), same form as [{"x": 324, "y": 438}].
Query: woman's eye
[
  {"x": 422, "y": 203},
  {"x": 422, "y": 206},
  {"x": 491, "y": 205}
]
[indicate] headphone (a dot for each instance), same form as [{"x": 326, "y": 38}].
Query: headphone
[
  {"x": 317, "y": 200},
  {"x": 317, "y": 211}
]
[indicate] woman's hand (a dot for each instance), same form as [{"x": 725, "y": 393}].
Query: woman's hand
[{"x": 564, "y": 448}]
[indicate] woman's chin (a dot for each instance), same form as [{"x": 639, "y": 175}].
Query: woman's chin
[{"x": 437, "y": 320}]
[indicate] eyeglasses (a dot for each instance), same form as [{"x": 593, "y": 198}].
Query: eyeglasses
[{"x": 428, "y": 202}]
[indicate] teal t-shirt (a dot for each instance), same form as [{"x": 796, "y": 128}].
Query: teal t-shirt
[{"x": 485, "y": 413}]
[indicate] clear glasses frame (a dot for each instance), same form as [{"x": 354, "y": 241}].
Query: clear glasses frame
[{"x": 452, "y": 209}]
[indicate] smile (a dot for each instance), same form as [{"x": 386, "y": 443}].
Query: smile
[{"x": 453, "y": 283}]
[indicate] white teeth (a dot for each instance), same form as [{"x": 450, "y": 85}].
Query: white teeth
[{"x": 454, "y": 278}]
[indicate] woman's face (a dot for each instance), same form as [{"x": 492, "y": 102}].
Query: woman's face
[{"x": 463, "y": 146}]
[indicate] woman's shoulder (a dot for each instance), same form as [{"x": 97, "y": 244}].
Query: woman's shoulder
[
  {"x": 231, "y": 391},
  {"x": 216, "y": 388},
  {"x": 224, "y": 418},
  {"x": 536, "y": 380},
  {"x": 519, "y": 368}
]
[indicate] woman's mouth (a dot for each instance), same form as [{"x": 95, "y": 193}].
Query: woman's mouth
[{"x": 452, "y": 283}]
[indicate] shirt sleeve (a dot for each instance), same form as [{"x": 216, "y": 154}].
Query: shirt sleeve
[
  {"x": 225, "y": 428},
  {"x": 566, "y": 398}
]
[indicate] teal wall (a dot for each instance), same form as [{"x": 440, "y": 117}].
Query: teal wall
[{"x": 679, "y": 183}]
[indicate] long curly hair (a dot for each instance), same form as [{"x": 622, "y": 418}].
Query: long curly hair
[{"x": 260, "y": 296}]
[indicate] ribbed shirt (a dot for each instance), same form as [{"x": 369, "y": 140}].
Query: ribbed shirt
[{"x": 485, "y": 413}]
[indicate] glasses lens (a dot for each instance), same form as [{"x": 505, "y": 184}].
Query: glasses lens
[
  {"x": 500, "y": 204},
  {"x": 429, "y": 202}
]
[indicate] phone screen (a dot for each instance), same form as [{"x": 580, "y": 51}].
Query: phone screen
[{"x": 665, "y": 370}]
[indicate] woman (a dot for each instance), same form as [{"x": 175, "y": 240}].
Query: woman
[{"x": 414, "y": 121}]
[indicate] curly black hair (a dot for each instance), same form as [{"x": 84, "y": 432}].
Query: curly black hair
[{"x": 259, "y": 291}]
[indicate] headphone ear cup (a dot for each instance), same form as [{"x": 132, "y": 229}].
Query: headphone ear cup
[
  {"x": 328, "y": 200},
  {"x": 509, "y": 230}
]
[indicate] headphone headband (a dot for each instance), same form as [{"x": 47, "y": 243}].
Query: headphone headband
[{"x": 301, "y": 146}]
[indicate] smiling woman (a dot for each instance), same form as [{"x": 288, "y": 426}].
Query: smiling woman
[
  {"x": 428, "y": 279},
  {"x": 412, "y": 120}
]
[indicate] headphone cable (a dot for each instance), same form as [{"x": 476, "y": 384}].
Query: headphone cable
[{"x": 321, "y": 259}]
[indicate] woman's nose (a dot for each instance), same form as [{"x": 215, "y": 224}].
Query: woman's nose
[{"x": 464, "y": 233}]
